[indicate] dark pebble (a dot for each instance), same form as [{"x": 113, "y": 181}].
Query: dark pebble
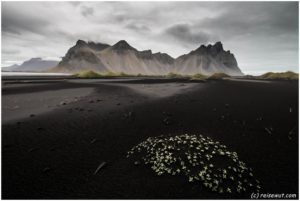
[
  {"x": 46, "y": 169},
  {"x": 32, "y": 150},
  {"x": 93, "y": 141}
]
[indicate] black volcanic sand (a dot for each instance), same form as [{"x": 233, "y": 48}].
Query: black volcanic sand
[{"x": 54, "y": 154}]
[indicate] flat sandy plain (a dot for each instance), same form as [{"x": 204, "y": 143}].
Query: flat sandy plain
[{"x": 56, "y": 132}]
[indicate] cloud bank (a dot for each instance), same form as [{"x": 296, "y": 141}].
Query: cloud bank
[{"x": 262, "y": 35}]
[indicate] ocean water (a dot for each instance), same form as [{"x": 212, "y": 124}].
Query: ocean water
[{"x": 32, "y": 74}]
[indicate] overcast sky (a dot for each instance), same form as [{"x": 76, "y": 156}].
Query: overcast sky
[{"x": 262, "y": 35}]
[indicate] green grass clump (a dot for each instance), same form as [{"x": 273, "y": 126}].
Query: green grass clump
[
  {"x": 288, "y": 75},
  {"x": 116, "y": 74},
  {"x": 87, "y": 74},
  {"x": 174, "y": 75},
  {"x": 218, "y": 76},
  {"x": 199, "y": 159},
  {"x": 198, "y": 76},
  {"x": 93, "y": 74}
]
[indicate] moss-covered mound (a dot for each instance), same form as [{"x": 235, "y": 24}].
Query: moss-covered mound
[
  {"x": 114, "y": 74},
  {"x": 288, "y": 75},
  {"x": 198, "y": 76},
  {"x": 218, "y": 76},
  {"x": 174, "y": 75},
  {"x": 199, "y": 159},
  {"x": 92, "y": 74},
  {"x": 88, "y": 74}
]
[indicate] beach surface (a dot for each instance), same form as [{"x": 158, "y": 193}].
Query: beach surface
[{"x": 56, "y": 133}]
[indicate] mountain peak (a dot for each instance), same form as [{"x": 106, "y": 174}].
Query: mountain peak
[
  {"x": 97, "y": 46},
  {"x": 122, "y": 45},
  {"x": 35, "y": 59},
  {"x": 218, "y": 46},
  {"x": 206, "y": 59},
  {"x": 80, "y": 43},
  {"x": 36, "y": 64}
]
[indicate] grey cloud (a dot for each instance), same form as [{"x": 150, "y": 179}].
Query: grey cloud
[
  {"x": 75, "y": 3},
  {"x": 7, "y": 51},
  {"x": 18, "y": 23},
  {"x": 258, "y": 33},
  {"x": 254, "y": 18},
  {"x": 86, "y": 11},
  {"x": 184, "y": 33},
  {"x": 138, "y": 27}
]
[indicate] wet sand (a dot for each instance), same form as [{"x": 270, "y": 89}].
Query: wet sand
[{"x": 54, "y": 152}]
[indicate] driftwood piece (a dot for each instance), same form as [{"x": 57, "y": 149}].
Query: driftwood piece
[{"x": 99, "y": 167}]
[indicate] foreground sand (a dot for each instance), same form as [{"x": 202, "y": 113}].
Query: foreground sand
[{"x": 61, "y": 131}]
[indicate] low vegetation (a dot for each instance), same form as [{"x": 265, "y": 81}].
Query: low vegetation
[
  {"x": 218, "y": 76},
  {"x": 171, "y": 75},
  {"x": 198, "y": 76},
  {"x": 288, "y": 75},
  {"x": 93, "y": 74},
  {"x": 199, "y": 159},
  {"x": 87, "y": 74},
  {"x": 175, "y": 75}
]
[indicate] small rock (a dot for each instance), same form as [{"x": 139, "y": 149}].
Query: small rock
[
  {"x": 63, "y": 103},
  {"x": 93, "y": 141},
  {"x": 167, "y": 114},
  {"x": 46, "y": 169},
  {"x": 259, "y": 119},
  {"x": 268, "y": 130},
  {"x": 32, "y": 150},
  {"x": 167, "y": 121},
  {"x": 32, "y": 115},
  {"x": 52, "y": 149}
]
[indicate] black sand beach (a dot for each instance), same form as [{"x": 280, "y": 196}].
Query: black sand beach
[{"x": 55, "y": 134}]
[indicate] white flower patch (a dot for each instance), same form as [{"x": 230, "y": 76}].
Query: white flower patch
[{"x": 198, "y": 158}]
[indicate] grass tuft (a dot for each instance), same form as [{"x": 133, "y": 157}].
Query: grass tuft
[
  {"x": 93, "y": 74},
  {"x": 218, "y": 76},
  {"x": 198, "y": 76},
  {"x": 175, "y": 75},
  {"x": 288, "y": 75},
  {"x": 87, "y": 74}
]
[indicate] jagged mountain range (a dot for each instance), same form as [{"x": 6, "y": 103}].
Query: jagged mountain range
[
  {"x": 33, "y": 65},
  {"x": 122, "y": 57}
]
